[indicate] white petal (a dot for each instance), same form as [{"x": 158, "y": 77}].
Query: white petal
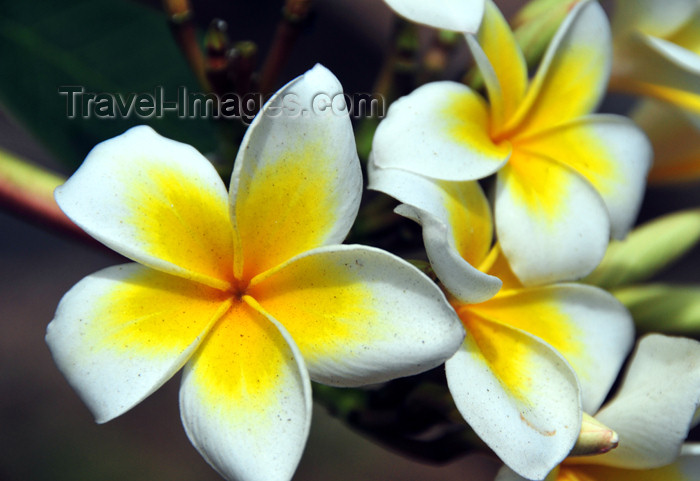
[
  {"x": 465, "y": 282},
  {"x": 611, "y": 152},
  {"x": 156, "y": 201},
  {"x": 120, "y": 333},
  {"x": 586, "y": 325},
  {"x": 653, "y": 410},
  {"x": 519, "y": 396},
  {"x": 653, "y": 17},
  {"x": 682, "y": 57},
  {"x": 439, "y": 131},
  {"x": 245, "y": 398},
  {"x": 551, "y": 223},
  {"x": 360, "y": 315},
  {"x": 297, "y": 181},
  {"x": 457, "y": 15},
  {"x": 573, "y": 75},
  {"x": 457, "y": 227}
]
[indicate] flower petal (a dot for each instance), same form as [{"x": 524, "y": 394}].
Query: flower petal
[
  {"x": 586, "y": 325},
  {"x": 457, "y": 227},
  {"x": 156, "y": 201},
  {"x": 120, "y": 333},
  {"x": 653, "y": 410},
  {"x": 360, "y": 315},
  {"x": 610, "y": 152},
  {"x": 688, "y": 36},
  {"x": 517, "y": 393},
  {"x": 245, "y": 398},
  {"x": 502, "y": 64},
  {"x": 573, "y": 75},
  {"x": 651, "y": 16},
  {"x": 464, "y": 282},
  {"x": 685, "y": 469},
  {"x": 457, "y": 15},
  {"x": 550, "y": 222},
  {"x": 659, "y": 69},
  {"x": 439, "y": 131},
  {"x": 675, "y": 141},
  {"x": 297, "y": 181}
]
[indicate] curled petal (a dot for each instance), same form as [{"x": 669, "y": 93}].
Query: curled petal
[
  {"x": 245, "y": 398},
  {"x": 439, "y": 131},
  {"x": 517, "y": 393},
  {"x": 360, "y": 315},
  {"x": 457, "y": 15},
  {"x": 155, "y": 201},
  {"x": 120, "y": 333},
  {"x": 297, "y": 181},
  {"x": 611, "y": 153},
  {"x": 457, "y": 227},
  {"x": 465, "y": 282},
  {"x": 655, "y": 406},
  {"x": 551, "y": 223}
]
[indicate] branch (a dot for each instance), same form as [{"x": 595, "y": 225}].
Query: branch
[{"x": 27, "y": 191}]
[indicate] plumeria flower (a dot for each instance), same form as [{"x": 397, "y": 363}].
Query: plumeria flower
[
  {"x": 456, "y": 15},
  {"x": 566, "y": 179},
  {"x": 657, "y": 51},
  {"x": 249, "y": 290},
  {"x": 534, "y": 357},
  {"x": 675, "y": 139},
  {"x": 651, "y": 413}
]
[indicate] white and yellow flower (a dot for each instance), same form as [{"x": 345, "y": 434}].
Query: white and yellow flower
[
  {"x": 657, "y": 51},
  {"x": 457, "y": 15},
  {"x": 249, "y": 290},
  {"x": 651, "y": 413},
  {"x": 566, "y": 179},
  {"x": 534, "y": 358}
]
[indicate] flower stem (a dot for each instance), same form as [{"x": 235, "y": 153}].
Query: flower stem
[
  {"x": 180, "y": 16},
  {"x": 26, "y": 190},
  {"x": 294, "y": 15}
]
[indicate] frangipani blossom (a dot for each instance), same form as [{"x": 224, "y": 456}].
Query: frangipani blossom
[
  {"x": 651, "y": 413},
  {"x": 249, "y": 290},
  {"x": 457, "y": 15},
  {"x": 534, "y": 357},
  {"x": 657, "y": 51},
  {"x": 566, "y": 179},
  {"x": 675, "y": 140}
]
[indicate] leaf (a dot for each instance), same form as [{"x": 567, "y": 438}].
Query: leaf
[
  {"x": 113, "y": 47},
  {"x": 647, "y": 250},
  {"x": 663, "y": 307}
]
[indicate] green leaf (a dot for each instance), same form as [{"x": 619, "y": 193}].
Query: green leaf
[
  {"x": 113, "y": 47},
  {"x": 647, "y": 250},
  {"x": 663, "y": 308}
]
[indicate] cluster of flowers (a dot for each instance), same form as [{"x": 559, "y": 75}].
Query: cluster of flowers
[{"x": 253, "y": 294}]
